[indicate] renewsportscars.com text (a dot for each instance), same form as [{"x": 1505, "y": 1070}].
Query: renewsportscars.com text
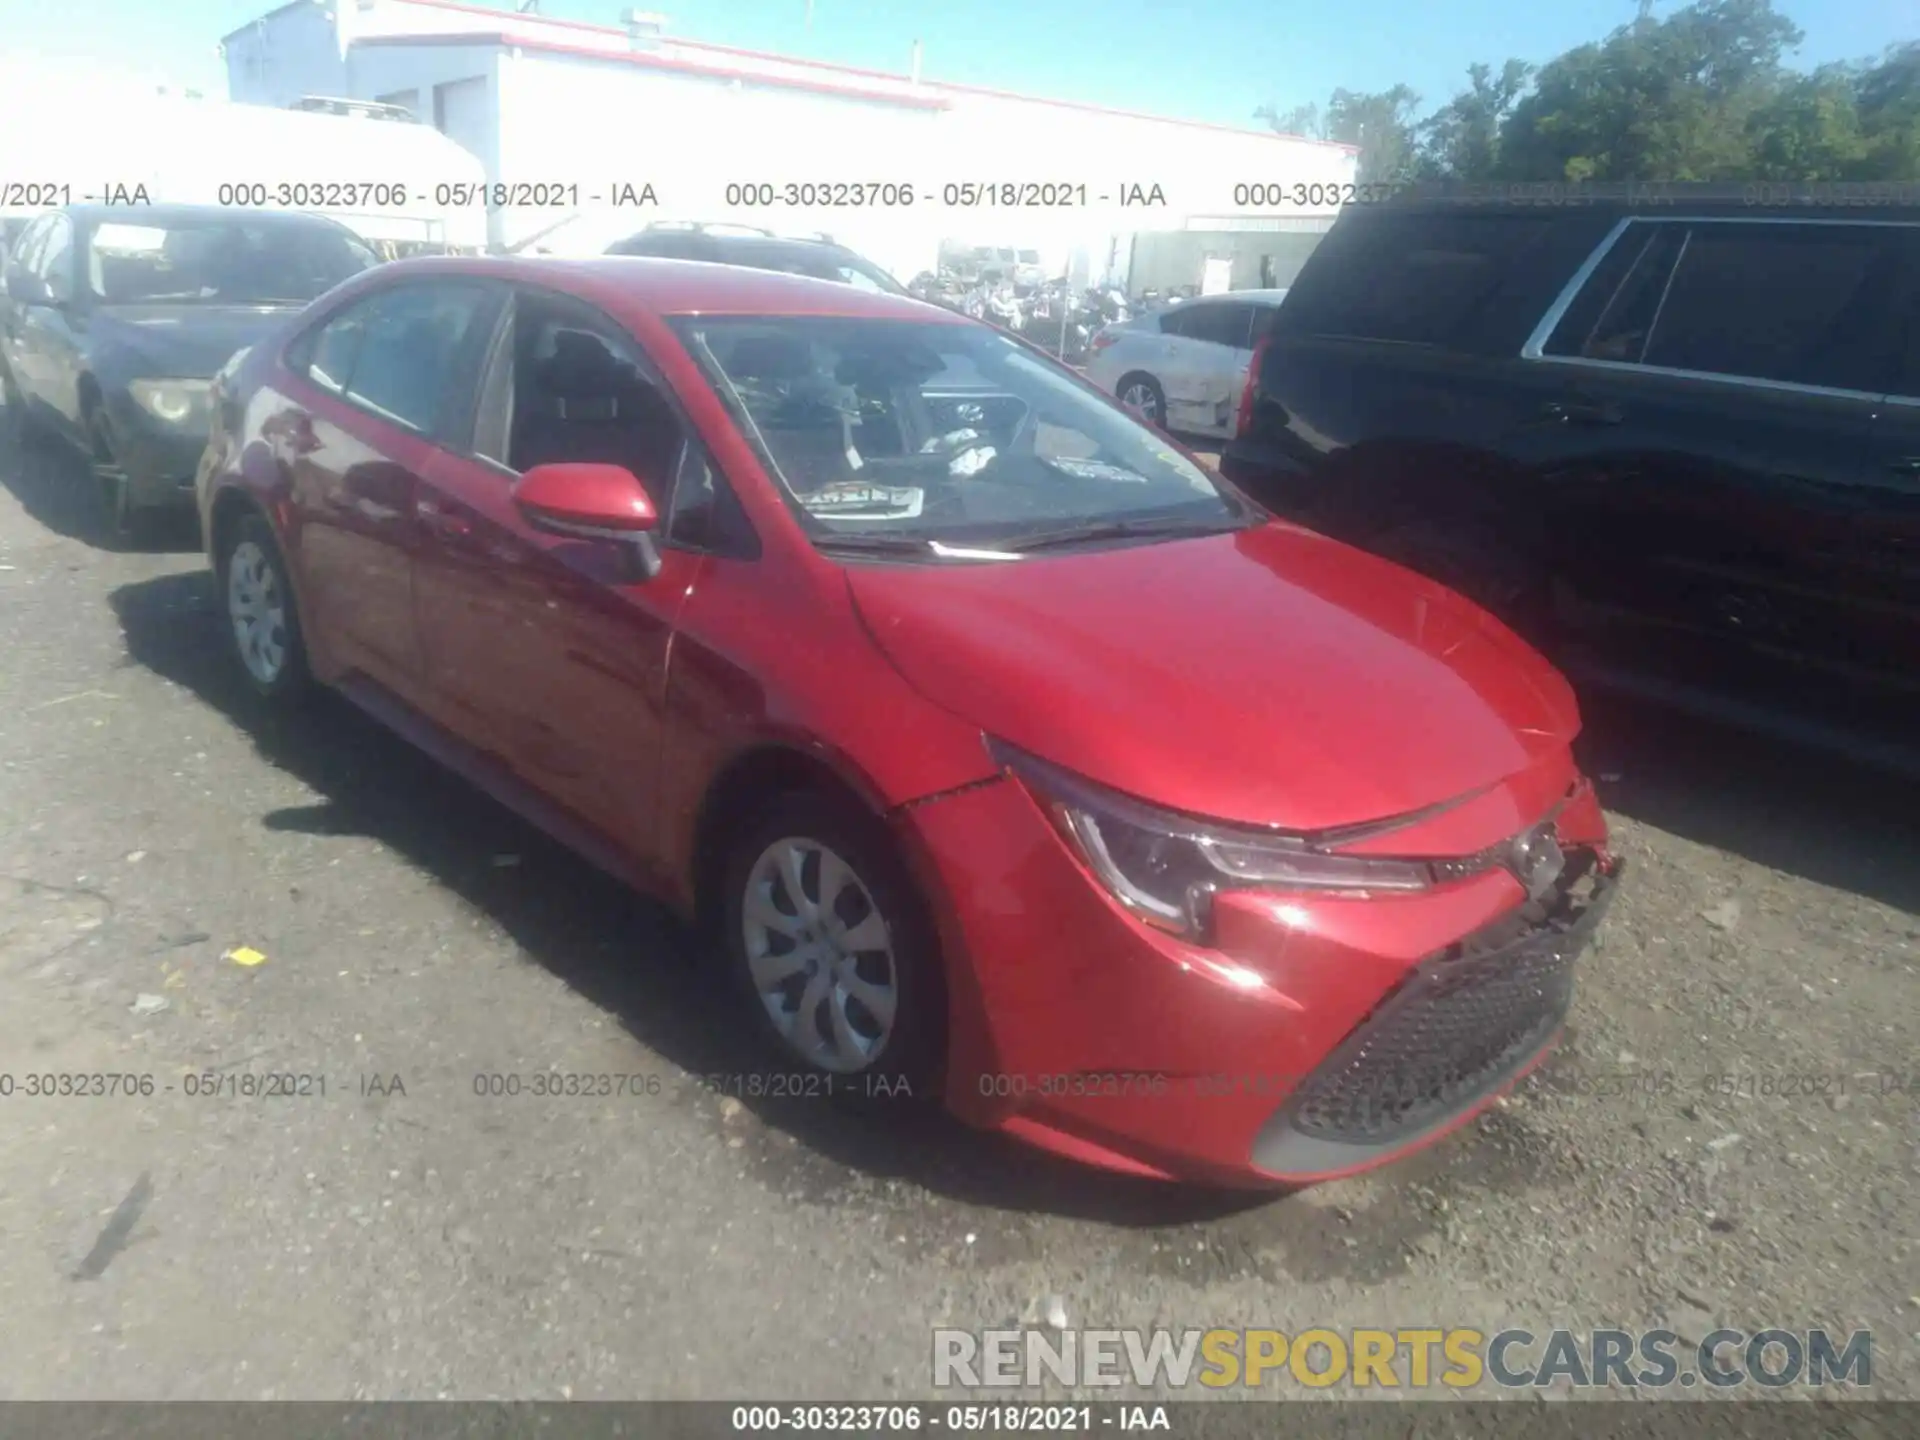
[{"x": 1406, "y": 1358}]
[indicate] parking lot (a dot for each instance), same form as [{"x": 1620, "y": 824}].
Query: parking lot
[{"x": 402, "y": 1236}]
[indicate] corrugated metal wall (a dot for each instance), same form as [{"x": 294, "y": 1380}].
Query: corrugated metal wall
[{"x": 1167, "y": 260}]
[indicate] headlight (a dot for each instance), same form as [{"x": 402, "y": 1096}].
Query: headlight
[
  {"x": 1166, "y": 867},
  {"x": 169, "y": 400}
]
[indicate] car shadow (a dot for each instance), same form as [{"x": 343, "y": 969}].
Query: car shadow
[
  {"x": 1820, "y": 817},
  {"x": 620, "y": 952},
  {"x": 55, "y": 485}
]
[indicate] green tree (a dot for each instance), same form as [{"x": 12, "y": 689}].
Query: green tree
[
  {"x": 1887, "y": 100},
  {"x": 1301, "y": 120},
  {"x": 1381, "y": 125},
  {"x": 1657, "y": 100},
  {"x": 1461, "y": 140},
  {"x": 1700, "y": 95},
  {"x": 1810, "y": 129}
]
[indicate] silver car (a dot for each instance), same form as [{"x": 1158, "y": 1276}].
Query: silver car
[{"x": 1184, "y": 367}]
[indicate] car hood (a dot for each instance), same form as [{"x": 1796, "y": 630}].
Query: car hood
[
  {"x": 1272, "y": 677},
  {"x": 187, "y": 342}
]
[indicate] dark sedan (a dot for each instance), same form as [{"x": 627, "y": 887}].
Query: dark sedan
[{"x": 115, "y": 318}]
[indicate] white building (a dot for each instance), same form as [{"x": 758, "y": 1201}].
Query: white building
[
  {"x": 149, "y": 143},
  {"x": 598, "y": 130}
]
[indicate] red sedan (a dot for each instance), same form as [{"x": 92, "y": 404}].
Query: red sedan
[{"x": 1011, "y": 756}]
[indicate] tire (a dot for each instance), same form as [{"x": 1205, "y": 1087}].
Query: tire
[
  {"x": 1142, "y": 395},
  {"x": 871, "y": 1062},
  {"x": 123, "y": 525},
  {"x": 257, "y": 605}
]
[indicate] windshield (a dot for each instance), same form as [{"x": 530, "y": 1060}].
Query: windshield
[
  {"x": 1029, "y": 257},
  {"x": 930, "y": 431},
  {"x": 221, "y": 261}
]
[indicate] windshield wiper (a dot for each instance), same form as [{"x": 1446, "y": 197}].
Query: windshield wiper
[
  {"x": 863, "y": 544},
  {"x": 875, "y": 544},
  {"x": 1119, "y": 530}
]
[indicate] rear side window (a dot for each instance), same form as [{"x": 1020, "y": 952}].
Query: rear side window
[
  {"x": 1414, "y": 278},
  {"x": 1772, "y": 302},
  {"x": 397, "y": 353},
  {"x": 1612, "y": 317},
  {"x": 1794, "y": 303},
  {"x": 1220, "y": 324}
]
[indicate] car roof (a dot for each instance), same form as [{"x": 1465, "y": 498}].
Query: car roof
[
  {"x": 1768, "y": 200},
  {"x": 682, "y": 287},
  {"x": 742, "y": 244}
]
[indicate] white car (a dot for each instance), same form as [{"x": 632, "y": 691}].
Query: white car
[{"x": 1183, "y": 368}]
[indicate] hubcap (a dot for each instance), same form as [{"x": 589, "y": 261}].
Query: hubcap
[
  {"x": 820, "y": 954},
  {"x": 1139, "y": 399},
  {"x": 258, "y": 612}
]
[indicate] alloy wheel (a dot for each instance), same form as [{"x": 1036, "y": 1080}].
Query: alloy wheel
[
  {"x": 820, "y": 955},
  {"x": 1139, "y": 398},
  {"x": 256, "y": 607}
]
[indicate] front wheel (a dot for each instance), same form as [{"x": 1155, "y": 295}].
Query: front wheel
[
  {"x": 832, "y": 953},
  {"x": 257, "y": 600},
  {"x": 125, "y": 525}
]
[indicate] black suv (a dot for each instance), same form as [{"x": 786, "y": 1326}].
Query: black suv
[
  {"x": 820, "y": 259},
  {"x": 1674, "y": 438}
]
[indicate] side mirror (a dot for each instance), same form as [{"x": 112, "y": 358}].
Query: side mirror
[
  {"x": 26, "y": 289},
  {"x": 592, "y": 502}
]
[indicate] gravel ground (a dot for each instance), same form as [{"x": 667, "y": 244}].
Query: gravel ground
[{"x": 401, "y": 1237}]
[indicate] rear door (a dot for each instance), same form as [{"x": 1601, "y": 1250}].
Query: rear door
[
  {"x": 1703, "y": 440},
  {"x": 381, "y": 382}
]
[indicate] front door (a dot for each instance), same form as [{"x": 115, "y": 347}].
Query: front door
[{"x": 553, "y": 657}]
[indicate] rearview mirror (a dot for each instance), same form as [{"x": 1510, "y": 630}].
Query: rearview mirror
[{"x": 592, "y": 502}]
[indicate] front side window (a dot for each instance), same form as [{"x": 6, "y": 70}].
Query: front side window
[
  {"x": 220, "y": 260},
  {"x": 578, "y": 393},
  {"x": 54, "y": 263},
  {"x": 32, "y": 239},
  {"x": 938, "y": 431}
]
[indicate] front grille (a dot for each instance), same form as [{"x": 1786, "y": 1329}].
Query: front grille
[{"x": 1459, "y": 1025}]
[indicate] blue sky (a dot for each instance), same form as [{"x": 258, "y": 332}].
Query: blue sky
[{"x": 1198, "y": 59}]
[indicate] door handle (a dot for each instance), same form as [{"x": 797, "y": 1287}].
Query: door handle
[
  {"x": 1581, "y": 412},
  {"x": 442, "y": 522}
]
